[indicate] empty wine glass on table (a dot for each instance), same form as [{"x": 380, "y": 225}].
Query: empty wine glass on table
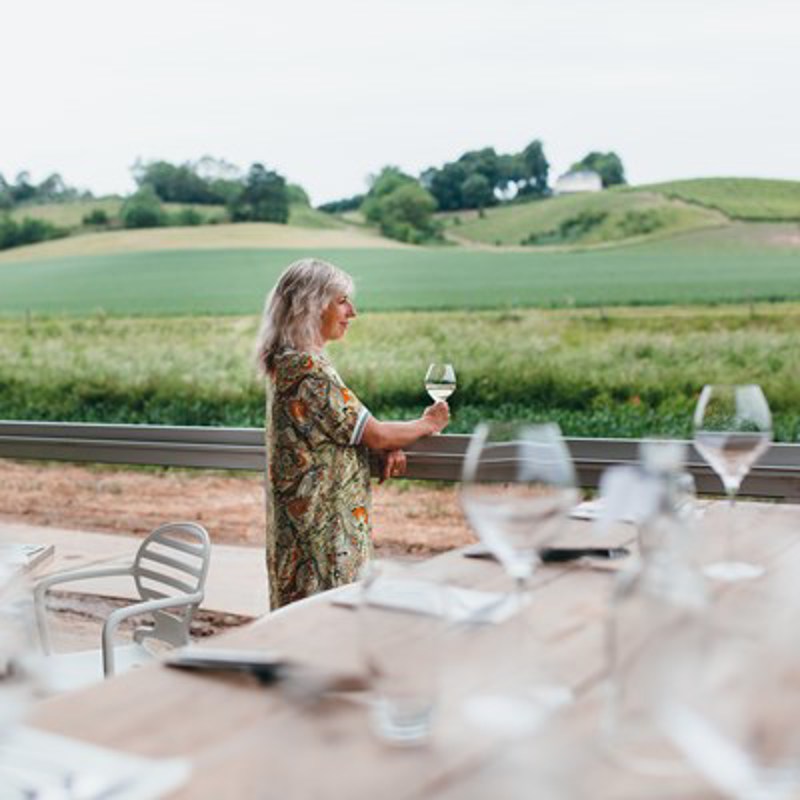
[
  {"x": 518, "y": 487},
  {"x": 440, "y": 381},
  {"x": 732, "y": 430},
  {"x": 517, "y": 490},
  {"x": 19, "y": 658}
]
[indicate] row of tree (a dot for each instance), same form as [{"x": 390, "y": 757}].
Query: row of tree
[
  {"x": 403, "y": 206},
  {"x": 482, "y": 178},
  {"x": 23, "y": 190},
  {"x": 260, "y": 194}
]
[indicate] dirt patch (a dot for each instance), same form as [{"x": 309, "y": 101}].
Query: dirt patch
[
  {"x": 75, "y": 620},
  {"x": 409, "y": 517}
]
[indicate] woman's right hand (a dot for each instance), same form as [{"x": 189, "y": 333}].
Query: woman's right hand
[{"x": 438, "y": 415}]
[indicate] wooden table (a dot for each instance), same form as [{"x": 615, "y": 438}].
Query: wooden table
[{"x": 247, "y": 741}]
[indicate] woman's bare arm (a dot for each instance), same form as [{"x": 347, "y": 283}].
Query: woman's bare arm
[{"x": 395, "y": 435}]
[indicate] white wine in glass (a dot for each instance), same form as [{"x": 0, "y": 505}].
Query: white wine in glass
[
  {"x": 440, "y": 381},
  {"x": 732, "y": 430}
]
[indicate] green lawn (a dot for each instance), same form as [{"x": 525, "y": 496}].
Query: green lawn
[{"x": 723, "y": 265}]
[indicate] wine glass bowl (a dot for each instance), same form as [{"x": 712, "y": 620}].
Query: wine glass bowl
[
  {"x": 518, "y": 486},
  {"x": 440, "y": 381},
  {"x": 732, "y": 430}
]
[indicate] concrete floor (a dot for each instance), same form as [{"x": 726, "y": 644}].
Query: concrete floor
[{"x": 236, "y": 584}]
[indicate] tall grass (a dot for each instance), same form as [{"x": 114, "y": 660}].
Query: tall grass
[{"x": 627, "y": 373}]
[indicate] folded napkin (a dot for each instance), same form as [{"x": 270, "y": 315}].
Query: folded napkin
[
  {"x": 596, "y": 509},
  {"x": 459, "y": 605},
  {"x": 605, "y": 559},
  {"x": 17, "y": 554},
  {"x": 34, "y": 763}
]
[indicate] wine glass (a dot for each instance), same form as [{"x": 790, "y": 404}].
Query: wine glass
[
  {"x": 732, "y": 430},
  {"x": 440, "y": 381},
  {"x": 518, "y": 487},
  {"x": 17, "y": 647}
]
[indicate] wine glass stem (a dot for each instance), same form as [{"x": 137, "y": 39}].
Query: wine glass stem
[
  {"x": 523, "y": 648},
  {"x": 731, "y": 520},
  {"x": 522, "y": 586}
]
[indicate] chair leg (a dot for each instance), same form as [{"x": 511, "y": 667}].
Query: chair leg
[
  {"x": 40, "y": 612},
  {"x": 108, "y": 651}
]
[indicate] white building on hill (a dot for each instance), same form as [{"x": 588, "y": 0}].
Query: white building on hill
[{"x": 585, "y": 180}]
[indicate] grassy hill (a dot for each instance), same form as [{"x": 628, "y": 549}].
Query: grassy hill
[
  {"x": 581, "y": 219},
  {"x": 738, "y": 198},
  {"x": 625, "y": 214},
  {"x": 742, "y": 262},
  {"x": 68, "y": 215}
]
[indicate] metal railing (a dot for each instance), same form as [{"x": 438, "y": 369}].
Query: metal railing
[{"x": 777, "y": 475}]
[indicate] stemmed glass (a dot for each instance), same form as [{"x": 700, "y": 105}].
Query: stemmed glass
[
  {"x": 440, "y": 381},
  {"x": 518, "y": 487},
  {"x": 732, "y": 430},
  {"x": 17, "y": 647}
]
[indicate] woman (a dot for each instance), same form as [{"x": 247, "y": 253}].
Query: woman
[{"x": 318, "y": 436}]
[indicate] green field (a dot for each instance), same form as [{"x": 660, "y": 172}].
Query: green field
[
  {"x": 732, "y": 264},
  {"x": 754, "y": 199},
  {"x": 623, "y": 372},
  {"x": 158, "y": 326}
]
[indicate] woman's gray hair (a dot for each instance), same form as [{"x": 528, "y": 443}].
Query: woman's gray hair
[{"x": 293, "y": 310}]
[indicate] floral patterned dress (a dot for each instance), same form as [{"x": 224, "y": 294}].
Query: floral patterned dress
[{"x": 318, "y": 489}]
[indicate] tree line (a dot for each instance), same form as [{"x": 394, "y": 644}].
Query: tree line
[
  {"x": 260, "y": 194},
  {"x": 402, "y": 206},
  {"x": 52, "y": 189}
]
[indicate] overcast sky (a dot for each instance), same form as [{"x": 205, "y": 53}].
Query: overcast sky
[{"x": 328, "y": 91}]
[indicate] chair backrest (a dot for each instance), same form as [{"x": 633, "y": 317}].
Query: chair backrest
[{"x": 172, "y": 562}]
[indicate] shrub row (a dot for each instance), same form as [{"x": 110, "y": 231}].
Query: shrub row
[{"x": 28, "y": 231}]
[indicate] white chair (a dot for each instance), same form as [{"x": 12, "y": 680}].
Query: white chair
[{"x": 169, "y": 572}]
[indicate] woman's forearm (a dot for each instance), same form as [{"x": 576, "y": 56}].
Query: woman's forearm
[{"x": 395, "y": 435}]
